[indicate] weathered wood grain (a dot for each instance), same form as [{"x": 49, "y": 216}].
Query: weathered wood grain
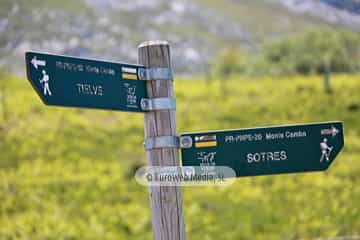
[{"x": 166, "y": 202}]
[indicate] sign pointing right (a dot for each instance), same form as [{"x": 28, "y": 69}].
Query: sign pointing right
[{"x": 268, "y": 150}]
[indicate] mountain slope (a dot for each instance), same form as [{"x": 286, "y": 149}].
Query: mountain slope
[
  {"x": 344, "y": 13},
  {"x": 111, "y": 29}
]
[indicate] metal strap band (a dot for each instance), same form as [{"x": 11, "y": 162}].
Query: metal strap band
[
  {"x": 152, "y": 104},
  {"x": 161, "y": 142},
  {"x": 150, "y": 74}
]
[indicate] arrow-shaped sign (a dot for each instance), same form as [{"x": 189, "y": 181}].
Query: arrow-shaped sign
[
  {"x": 76, "y": 82},
  {"x": 36, "y": 63},
  {"x": 268, "y": 150}
]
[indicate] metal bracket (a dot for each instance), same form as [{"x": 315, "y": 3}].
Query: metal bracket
[
  {"x": 161, "y": 142},
  {"x": 150, "y": 74},
  {"x": 151, "y": 104}
]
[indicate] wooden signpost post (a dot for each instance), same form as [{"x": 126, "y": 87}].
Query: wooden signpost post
[
  {"x": 148, "y": 88},
  {"x": 166, "y": 201}
]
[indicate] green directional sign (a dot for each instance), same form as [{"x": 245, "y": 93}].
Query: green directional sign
[
  {"x": 75, "y": 82},
  {"x": 267, "y": 150}
]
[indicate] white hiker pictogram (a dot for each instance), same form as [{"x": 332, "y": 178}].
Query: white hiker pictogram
[
  {"x": 131, "y": 94},
  {"x": 45, "y": 81},
  {"x": 207, "y": 157},
  {"x": 325, "y": 150}
]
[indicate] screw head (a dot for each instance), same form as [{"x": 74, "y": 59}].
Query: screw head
[
  {"x": 144, "y": 104},
  {"x": 186, "y": 142},
  {"x": 142, "y": 73}
]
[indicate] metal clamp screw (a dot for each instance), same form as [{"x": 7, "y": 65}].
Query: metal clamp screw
[{"x": 186, "y": 142}]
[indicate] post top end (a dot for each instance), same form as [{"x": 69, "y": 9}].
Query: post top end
[{"x": 152, "y": 43}]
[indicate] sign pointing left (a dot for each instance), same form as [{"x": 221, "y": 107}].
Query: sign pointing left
[
  {"x": 35, "y": 62},
  {"x": 76, "y": 82}
]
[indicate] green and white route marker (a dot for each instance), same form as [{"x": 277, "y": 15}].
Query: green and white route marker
[
  {"x": 84, "y": 83},
  {"x": 268, "y": 150},
  {"x": 75, "y": 82}
]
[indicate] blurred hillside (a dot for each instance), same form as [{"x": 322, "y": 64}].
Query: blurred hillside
[{"x": 198, "y": 30}]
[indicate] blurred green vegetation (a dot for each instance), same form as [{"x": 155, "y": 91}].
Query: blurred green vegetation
[
  {"x": 67, "y": 173},
  {"x": 311, "y": 52}
]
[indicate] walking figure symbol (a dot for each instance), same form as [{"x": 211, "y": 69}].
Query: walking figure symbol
[
  {"x": 45, "y": 81},
  {"x": 207, "y": 158},
  {"x": 325, "y": 150}
]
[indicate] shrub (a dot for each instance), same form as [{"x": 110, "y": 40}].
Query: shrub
[{"x": 313, "y": 51}]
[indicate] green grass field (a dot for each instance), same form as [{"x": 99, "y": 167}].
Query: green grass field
[{"x": 68, "y": 173}]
